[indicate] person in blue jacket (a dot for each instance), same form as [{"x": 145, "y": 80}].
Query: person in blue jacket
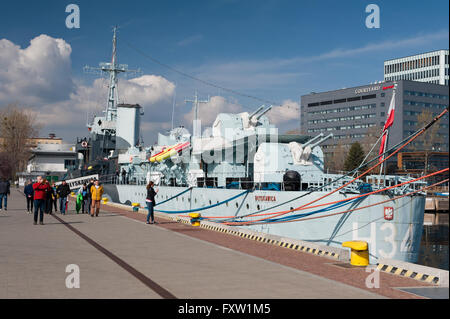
[
  {"x": 4, "y": 192},
  {"x": 29, "y": 194}
]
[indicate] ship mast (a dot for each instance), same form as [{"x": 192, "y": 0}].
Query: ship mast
[
  {"x": 196, "y": 125},
  {"x": 112, "y": 69}
]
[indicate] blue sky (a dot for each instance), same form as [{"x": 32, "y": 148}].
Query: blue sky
[{"x": 275, "y": 50}]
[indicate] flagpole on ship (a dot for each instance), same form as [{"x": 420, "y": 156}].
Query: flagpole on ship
[{"x": 387, "y": 125}]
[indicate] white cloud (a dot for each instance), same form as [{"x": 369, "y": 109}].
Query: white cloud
[
  {"x": 40, "y": 73},
  {"x": 414, "y": 41},
  {"x": 146, "y": 90},
  {"x": 285, "y": 112},
  {"x": 39, "y": 77}
]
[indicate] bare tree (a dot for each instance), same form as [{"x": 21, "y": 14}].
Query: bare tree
[
  {"x": 372, "y": 135},
  {"x": 17, "y": 126},
  {"x": 430, "y": 138},
  {"x": 427, "y": 142},
  {"x": 293, "y": 132},
  {"x": 335, "y": 159}
]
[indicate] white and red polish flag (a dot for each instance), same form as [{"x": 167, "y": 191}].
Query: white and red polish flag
[{"x": 388, "y": 123}]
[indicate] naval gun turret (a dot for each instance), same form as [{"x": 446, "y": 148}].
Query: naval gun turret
[{"x": 273, "y": 160}]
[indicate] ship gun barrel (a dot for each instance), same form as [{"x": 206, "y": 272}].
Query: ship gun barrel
[
  {"x": 312, "y": 140},
  {"x": 264, "y": 112},
  {"x": 322, "y": 140},
  {"x": 257, "y": 111}
]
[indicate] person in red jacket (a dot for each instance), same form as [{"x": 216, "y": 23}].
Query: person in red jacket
[{"x": 40, "y": 191}]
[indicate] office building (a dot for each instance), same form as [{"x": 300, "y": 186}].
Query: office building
[
  {"x": 430, "y": 67},
  {"x": 350, "y": 113}
]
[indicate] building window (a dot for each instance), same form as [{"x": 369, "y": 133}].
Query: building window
[{"x": 371, "y": 96}]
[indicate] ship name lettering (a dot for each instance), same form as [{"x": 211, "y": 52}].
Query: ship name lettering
[{"x": 265, "y": 198}]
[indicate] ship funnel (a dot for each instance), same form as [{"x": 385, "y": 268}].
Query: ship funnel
[
  {"x": 264, "y": 112},
  {"x": 257, "y": 111},
  {"x": 322, "y": 140},
  {"x": 312, "y": 140}
]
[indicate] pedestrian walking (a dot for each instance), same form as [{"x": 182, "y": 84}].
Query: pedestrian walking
[
  {"x": 29, "y": 194},
  {"x": 83, "y": 195},
  {"x": 89, "y": 199},
  {"x": 63, "y": 191},
  {"x": 4, "y": 193},
  {"x": 96, "y": 195},
  {"x": 150, "y": 200},
  {"x": 124, "y": 176},
  {"x": 48, "y": 197},
  {"x": 40, "y": 192},
  {"x": 54, "y": 197}
]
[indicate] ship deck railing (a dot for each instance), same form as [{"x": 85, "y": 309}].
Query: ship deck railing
[{"x": 328, "y": 183}]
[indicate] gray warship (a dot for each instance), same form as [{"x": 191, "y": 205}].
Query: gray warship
[{"x": 241, "y": 172}]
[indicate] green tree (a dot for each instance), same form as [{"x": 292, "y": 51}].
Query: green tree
[{"x": 355, "y": 157}]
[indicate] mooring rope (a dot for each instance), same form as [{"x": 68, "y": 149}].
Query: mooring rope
[
  {"x": 414, "y": 136},
  {"x": 203, "y": 208},
  {"x": 173, "y": 197},
  {"x": 330, "y": 203}
]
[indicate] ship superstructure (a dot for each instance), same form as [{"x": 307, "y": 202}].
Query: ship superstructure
[{"x": 115, "y": 130}]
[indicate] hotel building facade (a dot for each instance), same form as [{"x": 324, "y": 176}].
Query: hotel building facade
[{"x": 349, "y": 113}]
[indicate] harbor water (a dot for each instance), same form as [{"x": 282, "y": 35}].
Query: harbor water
[{"x": 434, "y": 246}]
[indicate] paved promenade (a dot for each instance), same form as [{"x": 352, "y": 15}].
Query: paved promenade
[{"x": 119, "y": 256}]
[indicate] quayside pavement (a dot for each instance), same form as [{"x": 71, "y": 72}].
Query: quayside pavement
[{"x": 119, "y": 256}]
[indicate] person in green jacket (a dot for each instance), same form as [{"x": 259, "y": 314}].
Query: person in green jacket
[{"x": 82, "y": 198}]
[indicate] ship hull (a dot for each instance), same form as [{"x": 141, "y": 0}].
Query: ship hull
[{"x": 397, "y": 238}]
